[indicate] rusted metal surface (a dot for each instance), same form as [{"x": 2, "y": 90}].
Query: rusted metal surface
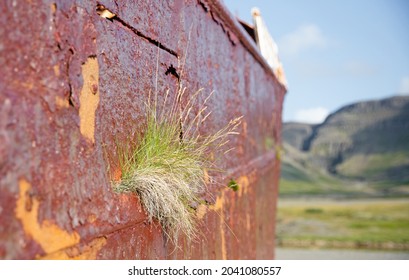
[{"x": 72, "y": 83}]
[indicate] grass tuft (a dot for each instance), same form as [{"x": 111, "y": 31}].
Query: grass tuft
[
  {"x": 233, "y": 185},
  {"x": 166, "y": 168}
]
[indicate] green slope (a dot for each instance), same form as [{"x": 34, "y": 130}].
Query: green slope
[{"x": 360, "y": 150}]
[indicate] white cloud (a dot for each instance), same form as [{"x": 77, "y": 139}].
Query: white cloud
[
  {"x": 404, "y": 86},
  {"x": 311, "y": 115},
  {"x": 307, "y": 36}
]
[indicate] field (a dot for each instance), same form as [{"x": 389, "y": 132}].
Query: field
[{"x": 372, "y": 224}]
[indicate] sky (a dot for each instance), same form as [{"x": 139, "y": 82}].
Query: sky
[{"x": 335, "y": 52}]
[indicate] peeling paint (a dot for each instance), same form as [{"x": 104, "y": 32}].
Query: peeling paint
[
  {"x": 61, "y": 102},
  {"x": 218, "y": 208},
  {"x": 53, "y": 7},
  {"x": 136, "y": 50},
  {"x": 48, "y": 235},
  {"x": 201, "y": 211},
  {"x": 89, "y": 98},
  {"x": 56, "y": 70},
  {"x": 243, "y": 182},
  {"x": 26, "y": 85},
  {"x": 104, "y": 12},
  {"x": 85, "y": 252},
  {"x": 91, "y": 218}
]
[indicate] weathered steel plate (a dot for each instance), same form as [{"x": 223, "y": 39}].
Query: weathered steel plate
[{"x": 72, "y": 83}]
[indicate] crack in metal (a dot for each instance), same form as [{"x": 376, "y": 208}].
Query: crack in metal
[
  {"x": 107, "y": 14},
  {"x": 172, "y": 71},
  {"x": 70, "y": 94},
  {"x": 150, "y": 40}
]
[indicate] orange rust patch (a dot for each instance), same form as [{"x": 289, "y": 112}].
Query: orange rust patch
[
  {"x": 27, "y": 85},
  {"x": 117, "y": 175},
  {"x": 56, "y": 69},
  {"x": 243, "y": 182},
  {"x": 48, "y": 235},
  {"x": 244, "y": 128},
  {"x": 279, "y": 72},
  {"x": 248, "y": 222},
  {"x": 86, "y": 252},
  {"x": 61, "y": 102},
  {"x": 201, "y": 211},
  {"x": 89, "y": 98},
  {"x": 218, "y": 207},
  {"x": 53, "y": 8},
  {"x": 91, "y": 218}
]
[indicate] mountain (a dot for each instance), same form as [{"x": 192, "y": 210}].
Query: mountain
[{"x": 361, "y": 149}]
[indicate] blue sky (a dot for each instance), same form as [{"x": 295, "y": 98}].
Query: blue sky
[{"x": 336, "y": 52}]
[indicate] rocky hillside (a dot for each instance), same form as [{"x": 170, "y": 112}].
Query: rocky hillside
[{"x": 364, "y": 145}]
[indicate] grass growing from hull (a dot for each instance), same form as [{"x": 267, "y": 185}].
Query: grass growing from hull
[{"x": 167, "y": 166}]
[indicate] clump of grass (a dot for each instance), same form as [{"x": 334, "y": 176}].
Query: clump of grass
[
  {"x": 166, "y": 168},
  {"x": 233, "y": 185}
]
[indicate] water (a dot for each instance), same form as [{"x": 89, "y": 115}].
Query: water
[{"x": 338, "y": 254}]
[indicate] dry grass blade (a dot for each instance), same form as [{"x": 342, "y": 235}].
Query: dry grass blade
[{"x": 167, "y": 171}]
